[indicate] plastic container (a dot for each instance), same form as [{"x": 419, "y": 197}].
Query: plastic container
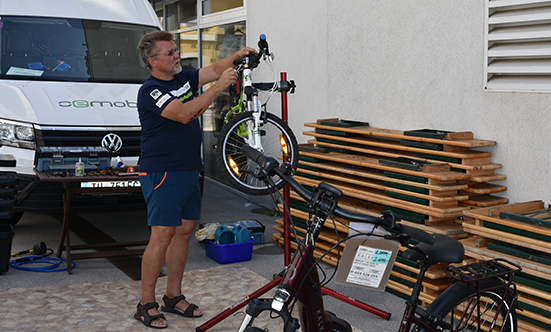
[
  {"x": 224, "y": 235},
  {"x": 6, "y": 236},
  {"x": 254, "y": 226},
  {"x": 230, "y": 253},
  {"x": 242, "y": 234},
  {"x": 79, "y": 168}
]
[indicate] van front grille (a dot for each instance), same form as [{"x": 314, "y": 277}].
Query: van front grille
[{"x": 89, "y": 137}]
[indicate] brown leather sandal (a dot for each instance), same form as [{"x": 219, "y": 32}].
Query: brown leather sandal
[
  {"x": 143, "y": 316},
  {"x": 170, "y": 306}
]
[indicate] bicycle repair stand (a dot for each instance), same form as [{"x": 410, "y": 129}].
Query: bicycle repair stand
[{"x": 287, "y": 86}]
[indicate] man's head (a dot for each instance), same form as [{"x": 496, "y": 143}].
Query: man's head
[{"x": 158, "y": 48}]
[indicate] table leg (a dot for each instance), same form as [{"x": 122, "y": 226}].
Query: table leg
[{"x": 65, "y": 238}]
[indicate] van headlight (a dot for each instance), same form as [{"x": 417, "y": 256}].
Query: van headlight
[{"x": 17, "y": 134}]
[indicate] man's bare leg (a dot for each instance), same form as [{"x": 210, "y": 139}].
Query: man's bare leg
[
  {"x": 152, "y": 264},
  {"x": 176, "y": 257}
]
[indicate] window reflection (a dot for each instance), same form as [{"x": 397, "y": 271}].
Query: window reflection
[
  {"x": 215, "y": 6},
  {"x": 218, "y": 43},
  {"x": 189, "y": 51}
]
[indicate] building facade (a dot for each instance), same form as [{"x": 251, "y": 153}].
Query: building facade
[{"x": 479, "y": 66}]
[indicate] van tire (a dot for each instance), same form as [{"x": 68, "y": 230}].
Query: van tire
[{"x": 14, "y": 219}]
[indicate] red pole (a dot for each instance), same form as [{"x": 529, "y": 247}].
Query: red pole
[
  {"x": 356, "y": 303},
  {"x": 286, "y": 190}
]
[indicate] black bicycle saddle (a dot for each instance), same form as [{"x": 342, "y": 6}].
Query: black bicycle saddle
[{"x": 444, "y": 249}]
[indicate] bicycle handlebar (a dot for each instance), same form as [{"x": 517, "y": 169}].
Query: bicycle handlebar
[
  {"x": 388, "y": 221},
  {"x": 254, "y": 60}
]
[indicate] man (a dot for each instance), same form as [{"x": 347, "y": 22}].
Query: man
[{"x": 169, "y": 163}]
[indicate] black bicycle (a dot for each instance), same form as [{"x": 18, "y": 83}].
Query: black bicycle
[{"x": 482, "y": 298}]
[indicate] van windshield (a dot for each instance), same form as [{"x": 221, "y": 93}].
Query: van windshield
[{"x": 61, "y": 49}]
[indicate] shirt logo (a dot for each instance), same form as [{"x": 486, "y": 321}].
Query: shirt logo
[
  {"x": 155, "y": 94},
  {"x": 163, "y": 100},
  {"x": 181, "y": 91}
]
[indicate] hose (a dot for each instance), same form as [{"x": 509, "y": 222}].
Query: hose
[{"x": 52, "y": 264}]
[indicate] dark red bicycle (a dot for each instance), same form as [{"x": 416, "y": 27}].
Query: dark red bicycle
[{"x": 482, "y": 298}]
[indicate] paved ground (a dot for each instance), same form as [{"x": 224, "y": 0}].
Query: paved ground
[{"x": 99, "y": 297}]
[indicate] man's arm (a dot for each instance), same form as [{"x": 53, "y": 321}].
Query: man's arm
[
  {"x": 214, "y": 71},
  {"x": 188, "y": 111}
]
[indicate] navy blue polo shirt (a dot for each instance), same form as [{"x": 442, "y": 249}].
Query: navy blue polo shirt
[{"x": 167, "y": 145}]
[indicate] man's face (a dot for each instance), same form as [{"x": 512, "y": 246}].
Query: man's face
[{"x": 167, "y": 58}]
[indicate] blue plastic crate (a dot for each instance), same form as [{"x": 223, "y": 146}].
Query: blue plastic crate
[{"x": 230, "y": 253}]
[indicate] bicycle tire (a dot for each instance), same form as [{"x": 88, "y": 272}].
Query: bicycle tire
[
  {"x": 230, "y": 141},
  {"x": 459, "y": 299}
]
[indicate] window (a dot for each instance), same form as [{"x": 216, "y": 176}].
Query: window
[
  {"x": 518, "y": 45},
  {"x": 38, "y": 48}
]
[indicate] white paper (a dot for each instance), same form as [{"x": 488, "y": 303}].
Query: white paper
[
  {"x": 24, "y": 72},
  {"x": 368, "y": 267}
]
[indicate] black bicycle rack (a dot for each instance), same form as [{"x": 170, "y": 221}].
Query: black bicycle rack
[{"x": 495, "y": 268}]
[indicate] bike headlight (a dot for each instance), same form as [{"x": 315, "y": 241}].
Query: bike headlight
[{"x": 17, "y": 134}]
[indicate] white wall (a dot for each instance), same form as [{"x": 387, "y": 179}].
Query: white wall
[{"x": 406, "y": 65}]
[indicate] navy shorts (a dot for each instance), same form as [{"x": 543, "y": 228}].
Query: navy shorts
[{"x": 171, "y": 197}]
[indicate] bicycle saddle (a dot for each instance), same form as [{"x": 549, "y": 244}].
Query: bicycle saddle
[{"x": 444, "y": 249}]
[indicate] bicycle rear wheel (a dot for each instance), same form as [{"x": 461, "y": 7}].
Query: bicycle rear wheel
[
  {"x": 457, "y": 306},
  {"x": 278, "y": 141}
]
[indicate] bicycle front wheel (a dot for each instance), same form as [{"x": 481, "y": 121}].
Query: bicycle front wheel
[
  {"x": 458, "y": 307},
  {"x": 278, "y": 141}
]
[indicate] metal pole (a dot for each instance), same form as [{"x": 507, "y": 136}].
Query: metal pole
[{"x": 286, "y": 190}]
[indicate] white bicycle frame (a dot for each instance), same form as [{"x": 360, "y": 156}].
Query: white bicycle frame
[{"x": 253, "y": 136}]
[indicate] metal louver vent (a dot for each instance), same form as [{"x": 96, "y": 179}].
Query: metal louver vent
[{"x": 518, "y": 45}]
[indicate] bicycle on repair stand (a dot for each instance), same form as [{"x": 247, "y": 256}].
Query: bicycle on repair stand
[
  {"x": 249, "y": 123},
  {"x": 482, "y": 298}
]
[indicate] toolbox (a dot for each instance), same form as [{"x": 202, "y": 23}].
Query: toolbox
[{"x": 65, "y": 158}]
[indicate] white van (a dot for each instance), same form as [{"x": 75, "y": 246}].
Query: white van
[{"x": 69, "y": 77}]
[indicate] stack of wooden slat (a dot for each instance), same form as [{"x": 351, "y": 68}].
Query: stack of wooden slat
[
  {"x": 428, "y": 181},
  {"x": 520, "y": 233}
]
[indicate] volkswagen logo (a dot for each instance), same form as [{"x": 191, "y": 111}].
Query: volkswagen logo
[{"x": 112, "y": 142}]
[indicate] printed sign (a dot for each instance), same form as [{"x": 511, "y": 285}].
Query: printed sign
[{"x": 369, "y": 266}]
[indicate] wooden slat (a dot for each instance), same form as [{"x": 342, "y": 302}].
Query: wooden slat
[
  {"x": 389, "y": 144},
  {"x": 371, "y": 195},
  {"x": 380, "y": 186},
  {"x": 482, "y": 188},
  {"x": 363, "y": 161},
  {"x": 495, "y": 234},
  {"x": 533, "y": 268},
  {"x": 378, "y": 175},
  {"x": 509, "y": 223},
  {"x": 471, "y": 143}
]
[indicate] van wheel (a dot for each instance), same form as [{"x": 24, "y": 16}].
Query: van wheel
[{"x": 12, "y": 220}]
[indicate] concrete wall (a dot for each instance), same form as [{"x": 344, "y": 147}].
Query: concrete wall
[{"x": 405, "y": 65}]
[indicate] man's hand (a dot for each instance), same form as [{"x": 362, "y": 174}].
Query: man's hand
[
  {"x": 244, "y": 52},
  {"x": 229, "y": 76}
]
